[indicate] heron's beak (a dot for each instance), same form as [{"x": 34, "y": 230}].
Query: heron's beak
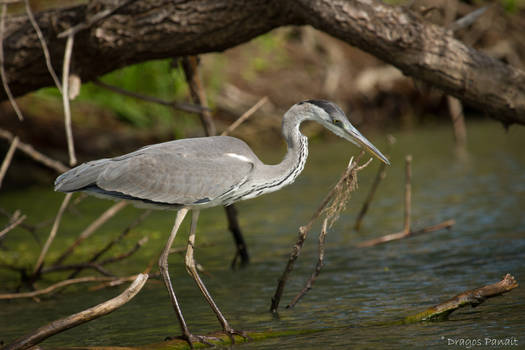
[{"x": 354, "y": 136}]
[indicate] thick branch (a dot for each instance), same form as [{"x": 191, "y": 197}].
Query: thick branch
[{"x": 144, "y": 29}]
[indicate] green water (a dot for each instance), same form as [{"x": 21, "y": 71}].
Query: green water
[{"x": 483, "y": 191}]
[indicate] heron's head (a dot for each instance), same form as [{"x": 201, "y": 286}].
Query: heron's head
[{"x": 334, "y": 119}]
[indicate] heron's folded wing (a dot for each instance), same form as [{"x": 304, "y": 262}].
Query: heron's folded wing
[{"x": 174, "y": 178}]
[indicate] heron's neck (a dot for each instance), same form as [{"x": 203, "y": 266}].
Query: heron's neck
[{"x": 292, "y": 165}]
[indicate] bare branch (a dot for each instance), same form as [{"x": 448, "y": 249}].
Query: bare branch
[
  {"x": 103, "y": 218},
  {"x": 65, "y": 99},
  {"x": 186, "y": 107},
  {"x": 37, "y": 156},
  {"x": 44, "y": 45},
  {"x": 12, "y": 225},
  {"x": 318, "y": 267},
  {"x": 8, "y": 158},
  {"x": 245, "y": 116},
  {"x": 331, "y": 206},
  {"x": 401, "y": 235},
  {"x": 467, "y": 20},
  {"x": 74, "y": 320},
  {"x": 52, "y": 234}
]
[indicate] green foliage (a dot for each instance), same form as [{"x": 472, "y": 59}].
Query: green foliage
[{"x": 153, "y": 78}]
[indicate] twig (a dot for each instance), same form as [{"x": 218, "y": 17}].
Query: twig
[
  {"x": 2, "y": 68},
  {"x": 381, "y": 174},
  {"x": 74, "y": 320},
  {"x": 408, "y": 194},
  {"x": 44, "y": 45},
  {"x": 468, "y": 19},
  {"x": 8, "y": 158},
  {"x": 62, "y": 284},
  {"x": 65, "y": 99},
  {"x": 186, "y": 107},
  {"x": 245, "y": 116},
  {"x": 105, "y": 216},
  {"x": 241, "y": 251},
  {"x": 331, "y": 211},
  {"x": 472, "y": 297},
  {"x": 52, "y": 234},
  {"x": 318, "y": 267},
  {"x": 198, "y": 95},
  {"x": 12, "y": 225},
  {"x": 108, "y": 246},
  {"x": 401, "y": 235},
  {"x": 137, "y": 246},
  {"x": 81, "y": 266},
  {"x": 30, "y": 151},
  {"x": 30, "y": 228}
]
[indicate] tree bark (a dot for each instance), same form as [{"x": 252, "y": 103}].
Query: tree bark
[{"x": 140, "y": 30}]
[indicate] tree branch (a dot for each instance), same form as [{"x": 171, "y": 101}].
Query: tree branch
[{"x": 143, "y": 30}]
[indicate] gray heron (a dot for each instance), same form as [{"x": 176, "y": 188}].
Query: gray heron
[{"x": 197, "y": 173}]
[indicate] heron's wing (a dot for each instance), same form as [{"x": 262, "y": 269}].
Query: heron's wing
[{"x": 175, "y": 176}]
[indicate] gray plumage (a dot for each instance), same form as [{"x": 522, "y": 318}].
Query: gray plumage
[
  {"x": 208, "y": 171},
  {"x": 203, "y": 172}
]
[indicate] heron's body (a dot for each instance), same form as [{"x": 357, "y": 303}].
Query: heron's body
[{"x": 196, "y": 173}]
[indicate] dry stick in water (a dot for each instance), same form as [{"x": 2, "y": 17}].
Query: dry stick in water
[
  {"x": 407, "y": 231},
  {"x": 65, "y": 99},
  {"x": 303, "y": 230},
  {"x": 37, "y": 156},
  {"x": 472, "y": 297},
  {"x": 52, "y": 234},
  {"x": 8, "y": 158},
  {"x": 3, "y": 76},
  {"x": 74, "y": 320},
  {"x": 318, "y": 267},
  {"x": 381, "y": 174},
  {"x": 108, "y": 214}
]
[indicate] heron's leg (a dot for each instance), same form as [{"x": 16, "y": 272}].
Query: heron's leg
[
  {"x": 192, "y": 270},
  {"x": 163, "y": 267}
]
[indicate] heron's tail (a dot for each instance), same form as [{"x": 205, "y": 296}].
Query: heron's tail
[{"x": 80, "y": 176}]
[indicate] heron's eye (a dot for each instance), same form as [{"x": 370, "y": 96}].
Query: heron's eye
[{"x": 337, "y": 122}]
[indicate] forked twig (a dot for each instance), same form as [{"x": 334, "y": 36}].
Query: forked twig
[
  {"x": 108, "y": 246},
  {"x": 331, "y": 206},
  {"x": 52, "y": 234},
  {"x": 74, "y": 320},
  {"x": 103, "y": 218},
  {"x": 407, "y": 216},
  {"x": 8, "y": 158},
  {"x": 318, "y": 267}
]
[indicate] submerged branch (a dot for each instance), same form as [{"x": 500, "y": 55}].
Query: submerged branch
[
  {"x": 472, "y": 297},
  {"x": 74, "y": 320}
]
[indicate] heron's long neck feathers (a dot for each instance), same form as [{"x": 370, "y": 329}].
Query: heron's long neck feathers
[{"x": 271, "y": 178}]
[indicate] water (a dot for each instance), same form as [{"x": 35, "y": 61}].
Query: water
[{"x": 360, "y": 290}]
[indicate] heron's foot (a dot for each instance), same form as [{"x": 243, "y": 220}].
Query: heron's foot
[
  {"x": 231, "y": 333},
  {"x": 193, "y": 338}
]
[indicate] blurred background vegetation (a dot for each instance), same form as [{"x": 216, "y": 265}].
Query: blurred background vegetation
[{"x": 287, "y": 65}]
